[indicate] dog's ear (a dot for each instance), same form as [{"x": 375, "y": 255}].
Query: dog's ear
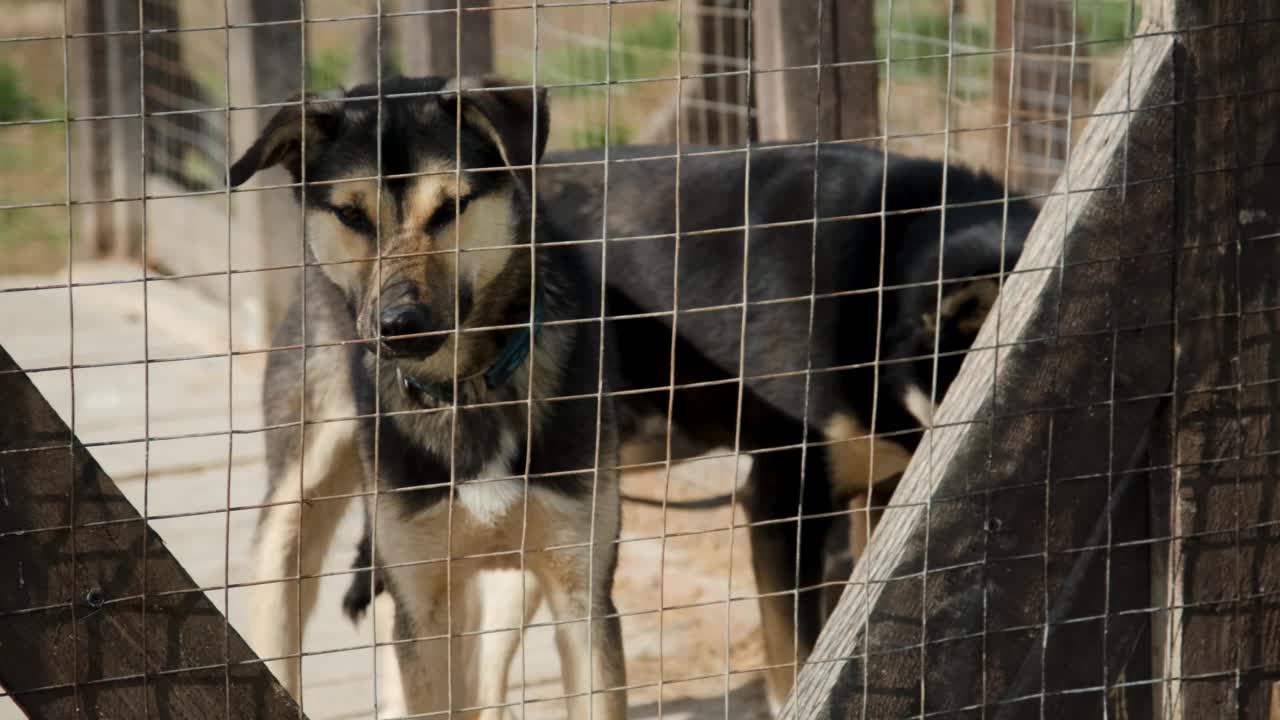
[
  {"x": 281, "y": 140},
  {"x": 507, "y": 113},
  {"x": 964, "y": 308}
]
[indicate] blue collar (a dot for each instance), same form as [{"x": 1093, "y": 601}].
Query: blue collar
[{"x": 510, "y": 358}]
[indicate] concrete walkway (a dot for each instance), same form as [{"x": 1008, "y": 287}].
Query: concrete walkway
[{"x": 676, "y": 656}]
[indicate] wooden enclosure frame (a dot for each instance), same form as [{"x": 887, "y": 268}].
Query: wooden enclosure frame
[{"x": 1135, "y": 343}]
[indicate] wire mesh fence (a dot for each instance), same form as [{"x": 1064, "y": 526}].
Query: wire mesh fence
[{"x": 598, "y": 368}]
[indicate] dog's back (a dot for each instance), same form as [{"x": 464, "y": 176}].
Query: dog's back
[{"x": 862, "y": 197}]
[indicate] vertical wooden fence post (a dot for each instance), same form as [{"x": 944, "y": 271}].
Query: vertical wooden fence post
[
  {"x": 267, "y": 67},
  {"x": 1222, "y": 652},
  {"x": 787, "y": 103},
  {"x": 106, "y": 80},
  {"x": 433, "y": 43}
]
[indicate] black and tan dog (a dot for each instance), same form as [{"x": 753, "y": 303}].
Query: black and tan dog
[
  {"x": 477, "y": 419},
  {"x": 858, "y": 323}
]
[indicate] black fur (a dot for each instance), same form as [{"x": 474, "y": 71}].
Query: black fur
[{"x": 976, "y": 239}]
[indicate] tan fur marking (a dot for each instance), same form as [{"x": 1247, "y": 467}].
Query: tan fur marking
[
  {"x": 437, "y": 185},
  {"x": 334, "y": 244},
  {"x": 984, "y": 291},
  {"x": 919, "y": 404},
  {"x": 851, "y": 456},
  {"x": 361, "y": 193}
]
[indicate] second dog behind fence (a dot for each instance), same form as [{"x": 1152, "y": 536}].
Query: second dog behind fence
[{"x": 859, "y": 323}]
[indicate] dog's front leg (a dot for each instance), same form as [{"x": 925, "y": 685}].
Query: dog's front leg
[
  {"x": 488, "y": 664},
  {"x": 578, "y": 584},
  {"x": 787, "y": 591},
  {"x": 421, "y": 634},
  {"x": 293, "y": 537}
]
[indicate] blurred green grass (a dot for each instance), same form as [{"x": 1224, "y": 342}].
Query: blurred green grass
[
  {"x": 32, "y": 159},
  {"x": 640, "y": 50}
]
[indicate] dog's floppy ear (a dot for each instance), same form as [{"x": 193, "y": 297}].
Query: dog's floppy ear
[
  {"x": 506, "y": 112},
  {"x": 281, "y": 140}
]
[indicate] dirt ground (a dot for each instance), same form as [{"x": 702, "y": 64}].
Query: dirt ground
[{"x": 706, "y": 640}]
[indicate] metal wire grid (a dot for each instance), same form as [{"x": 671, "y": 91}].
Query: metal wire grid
[{"x": 147, "y": 362}]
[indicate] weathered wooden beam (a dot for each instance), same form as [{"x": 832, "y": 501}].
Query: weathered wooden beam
[
  {"x": 1222, "y": 651},
  {"x": 266, "y": 67},
  {"x": 97, "y": 618},
  {"x": 983, "y": 558},
  {"x": 106, "y": 80},
  {"x": 448, "y": 42},
  {"x": 839, "y": 36}
]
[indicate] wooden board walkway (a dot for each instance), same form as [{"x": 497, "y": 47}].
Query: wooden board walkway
[{"x": 190, "y": 395}]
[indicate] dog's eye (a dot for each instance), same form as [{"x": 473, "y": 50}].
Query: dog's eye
[
  {"x": 353, "y": 217},
  {"x": 446, "y": 213}
]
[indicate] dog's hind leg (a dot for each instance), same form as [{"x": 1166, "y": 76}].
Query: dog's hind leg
[
  {"x": 578, "y": 583},
  {"x": 847, "y": 540},
  {"x": 775, "y": 495},
  {"x": 295, "y": 529}
]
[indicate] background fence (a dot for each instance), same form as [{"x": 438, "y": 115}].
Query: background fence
[{"x": 924, "y": 77}]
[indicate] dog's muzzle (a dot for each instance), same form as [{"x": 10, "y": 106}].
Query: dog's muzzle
[{"x": 403, "y": 330}]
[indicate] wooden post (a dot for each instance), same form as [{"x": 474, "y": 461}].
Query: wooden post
[
  {"x": 107, "y": 154},
  {"x": 97, "y": 618},
  {"x": 365, "y": 63},
  {"x": 1223, "y": 654},
  {"x": 268, "y": 233},
  {"x": 1037, "y": 59},
  {"x": 91, "y": 170},
  {"x": 430, "y": 42},
  {"x": 997, "y": 535},
  {"x": 787, "y": 102}
]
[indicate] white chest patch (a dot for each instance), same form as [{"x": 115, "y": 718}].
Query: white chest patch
[{"x": 487, "y": 500}]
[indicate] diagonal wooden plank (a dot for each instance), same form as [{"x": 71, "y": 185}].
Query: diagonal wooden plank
[
  {"x": 953, "y": 606},
  {"x": 97, "y": 618}
]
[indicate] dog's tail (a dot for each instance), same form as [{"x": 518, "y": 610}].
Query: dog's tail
[{"x": 706, "y": 503}]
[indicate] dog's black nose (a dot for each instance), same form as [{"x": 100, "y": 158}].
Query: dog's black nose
[
  {"x": 410, "y": 319},
  {"x": 407, "y": 319}
]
